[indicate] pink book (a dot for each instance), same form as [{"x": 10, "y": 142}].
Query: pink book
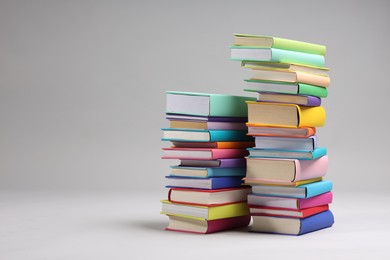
[
  {"x": 290, "y": 203},
  {"x": 203, "y": 226},
  {"x": 308, "y": 169},
  {"x": 202, "y": 153}
]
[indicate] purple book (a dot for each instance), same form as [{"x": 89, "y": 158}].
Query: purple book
[
  {"x": 303, "y": 100},
  {"x": 222, "y": 163},
  {"x": 170, "y": 116}
]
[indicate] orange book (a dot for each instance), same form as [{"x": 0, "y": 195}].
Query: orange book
[{"x": 262, "y": 130}]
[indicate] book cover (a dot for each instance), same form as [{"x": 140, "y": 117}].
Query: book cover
[
  {"x": 253, "y": 53},
  {"x": 286, "y": 154},
  {"x": 279, "y": 43},
  {"x": 211, "y": 183},
  {"x": 299, "y": 213},
  {"x": 285, "y": 88},
  {"x": 286, "y": 143},
  {"x": 207, "y": 172},
  {"x": 304, "y": 191},
  {"x": 203, "y": 226},
  {"x": 202, "y": 153},
  {"x": 222, "y": 163},
  {"x": 206, "y": 104},
  {"x": 197, "y": 135}
]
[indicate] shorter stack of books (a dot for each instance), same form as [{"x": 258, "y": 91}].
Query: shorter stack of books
[{"x": 208, "y": 135}]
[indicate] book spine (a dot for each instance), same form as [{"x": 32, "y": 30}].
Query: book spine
[
  {"x": 312, "y": 79},
  {"x": 224, "y": 172},
  {"x": 231, "y": 106},
  {"x": 318, "y": 152},
  {"x": 225, "y": 182},
  {"x": 306, "y": 47},
  {"x": 228, "y": 135},
  {"x": 228, "y": 153},
  {"x": 227, "y": 223},
  {"x": 313, "y": 101},
  {"x": 316, "y": 222},
  {"x": 238, "y": 162},
  {"x": 322, "y": 199},
  {"x": 228, "y": 211},
  {"x": 311, "y": 90},
  {"x": 308, "y": 169},
  {"x": 311, "y": 116},
  {"x": 285, "y": 56},
  {"x": 318, "y": 188}
]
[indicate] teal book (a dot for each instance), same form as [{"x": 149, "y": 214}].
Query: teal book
[
  {"x": 205, "y": 104},
  {"x": 287, "y": 154},
  {"x": 285, "y": 88},
  {"x": 253, "y": 53},
  {"x": 207, "y": 172},
  {"x": 197, "y": 135},
  {"x": 304, "y": 191}
]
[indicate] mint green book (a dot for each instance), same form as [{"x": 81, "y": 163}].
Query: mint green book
[
  {"x": 205, "y": 104},
  {"x": 285, "y": 88},
  {"x": 254, "y": 53},
  {"x": 278, "y": 43}
]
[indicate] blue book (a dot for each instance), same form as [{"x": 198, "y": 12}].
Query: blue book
[
  {"x": 287, "y": 154},
  {"x": 207, "y": 172},
  {"x": 204, "y": 183},
  {"x": 292, "y": 226},
  {"x": 193, "y": 135},
  {"x": 303, "y": 191}
]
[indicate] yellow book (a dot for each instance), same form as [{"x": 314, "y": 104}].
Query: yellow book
[
  {"x": 203, "y": 212},
  {"x": 253, "y": 181},
  {"x": 285, "y": 115}
]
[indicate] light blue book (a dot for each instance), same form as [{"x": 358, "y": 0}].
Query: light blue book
[
  {"x": 194, "y": 135},
  {"x": 303, "y": 191},
  {"x": 251, "y": 53},
  {"x": 287, "y": 154},
  {"x": 206, "y": 172}
]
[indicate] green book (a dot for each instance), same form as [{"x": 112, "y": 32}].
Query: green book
[
  {"x": 278, "y": 43},
  {"x": 285, "y": 88},
  {"x": 205, "y": 104}
]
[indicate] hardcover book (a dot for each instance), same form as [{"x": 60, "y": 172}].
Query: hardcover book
[
  {"x": 292, "y": 226},
  {"x": 309, "y": 101},
  {"x": 198, "y": 118},
  {"x": 300, "y": 213},
  {"x": 217, "y": 145},
  {"x": 195, "y": 135},
  {"x": 252, "y": 53},
  {"x": 286, "y": 115},
  {"x": 286, "y": 143},
  {"x": 211, "y": 183},
  {"x": 209, "y": 213},
  {"x": 202, "y": 153},
  {"x": 205, "y": 125},
  {"x": 303, "y": 191},
  {"x": 287, "y": 154},
  {"x": 205, "y": 104},
  {"x": 260, "y": 130},
  {"x": 222, "y": 163},
  {"x": 207, "y": 172},
  {"x": 278, "y": 43},
  {"x": 204, "y": 226},
  {"x": 254, "y": 181}
]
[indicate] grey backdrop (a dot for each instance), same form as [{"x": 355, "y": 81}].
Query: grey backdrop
[{"x": 82, "y": 84}]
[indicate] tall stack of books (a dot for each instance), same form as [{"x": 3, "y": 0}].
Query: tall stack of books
[
  {"x": 286, "y": 167},
  {"x": 209, "y": 137}
]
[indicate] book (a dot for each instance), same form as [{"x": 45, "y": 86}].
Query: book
[
  {"x": 287, "y": 154},
  {"x": 286, "y": 143},
  {"x": 211, "y": 183},
  {"x": 292, "y": 226},
  {"x": 195, "y": 118},
  {"x": 205, "y": 125},
  {"x": 310, "y": 101},
  {"x": 208, "y": 197},
  {"x": 218, "y": 145},
  {"x": 207, "y": 172},
  {"x": 284, "y": 67},
  {"x": 260, "y": 130},
  {"x": 286, "y": 115},
  {"x": 195, "y": 135},
  {"x": 254, "y": 181},
  {"x": 202, "y": 153},
  {"x": 278, "y": 43},
  {"x": 205, "y": 104},
  {"x": 222, "y": 163},
  {"x": 253, "y": 53},
  {"x": 291, "y": 170},
  {"x": 205, "y": 212},
  {"x": 291, "y": 76},
  {"x": 303, "y": 191},
  {"x": 285, "y": 88},
  {"x": 204, "y": 226},
  {"x": 299, "y": 213},
  {"x": 290, "y": 203}
]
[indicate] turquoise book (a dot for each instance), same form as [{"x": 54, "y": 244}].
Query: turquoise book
[
  {"x": 197, "y": 135},
  {"x": 252, "y": 53},
  {"x": 304, "y": 191},
  {"x": 287, "y": 154},
  {"x": 205, "y": 104},
  {"x": 206, "y": 172}
]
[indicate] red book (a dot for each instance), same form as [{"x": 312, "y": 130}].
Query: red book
[
  {"x": 300, "y": 213},
  {"x": 203, "y": 226}
]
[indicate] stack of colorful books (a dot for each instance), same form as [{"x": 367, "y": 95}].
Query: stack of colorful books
[
  {"x": 209, "y": 137},
  {"x": 286, "y": 167}
]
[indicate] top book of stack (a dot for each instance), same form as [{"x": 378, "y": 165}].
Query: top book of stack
[{"x": 271, "y": 49}]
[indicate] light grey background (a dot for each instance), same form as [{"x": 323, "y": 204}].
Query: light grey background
[{"x": 82, "y": 84}]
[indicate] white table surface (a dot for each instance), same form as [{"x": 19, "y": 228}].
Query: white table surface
[{"x": 127, "y": 225}]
